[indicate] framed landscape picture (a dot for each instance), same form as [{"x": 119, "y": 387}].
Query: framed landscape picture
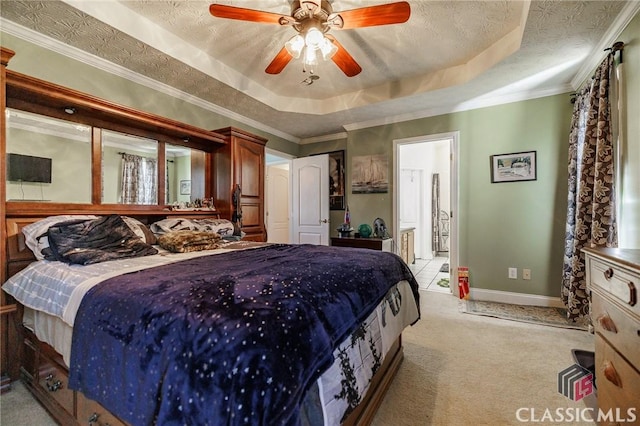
[
  {"x": 369, "y": 174},
  {"x": 185, "y": 187},
  {"x": 514, "y": 167}
]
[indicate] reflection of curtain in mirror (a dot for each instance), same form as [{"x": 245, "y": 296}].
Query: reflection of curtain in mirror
[
  {"x": 167, "y": 180},
  {"x": 139, "y": 179}
]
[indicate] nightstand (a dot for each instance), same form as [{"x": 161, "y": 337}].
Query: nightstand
[{"x": 373, "y": 243}]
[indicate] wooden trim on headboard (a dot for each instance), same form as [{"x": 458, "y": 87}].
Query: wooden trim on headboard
[
  {"x": 18, "y": 254},
  {"x": 5, "y": 57},
  {"x": 7, "y": 333}
]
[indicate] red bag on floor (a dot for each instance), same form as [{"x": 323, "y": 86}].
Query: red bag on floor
[{"x": 463, "y": 282}]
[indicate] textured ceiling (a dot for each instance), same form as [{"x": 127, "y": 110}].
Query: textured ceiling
[{"x": 450, "y": 55}]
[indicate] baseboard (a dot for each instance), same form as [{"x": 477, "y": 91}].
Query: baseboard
[
  {"x": 5, "y": 383},
  {"x": 515, "y": 298}
]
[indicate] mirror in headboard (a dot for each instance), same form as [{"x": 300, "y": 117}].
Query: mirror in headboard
[
  {"x": 47, "y": 159},
  {"x": 129, "y": 169},
  {"x": 83, "y": 140},
  {"x": 185, "y": 174}
]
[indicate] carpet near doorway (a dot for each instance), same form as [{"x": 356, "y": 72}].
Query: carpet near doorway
[
  {"x": 543, "y": 315},
  {"x": 444, "y": 268}
]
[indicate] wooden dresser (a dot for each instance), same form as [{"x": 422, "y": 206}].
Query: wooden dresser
[
  {"x": 373, "y": 243},
  {"x": 407, "y": 251},
  {"x": 613, "y": 278}
]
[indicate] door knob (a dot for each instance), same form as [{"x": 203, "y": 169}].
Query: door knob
[{"x": 324, "y": 221}]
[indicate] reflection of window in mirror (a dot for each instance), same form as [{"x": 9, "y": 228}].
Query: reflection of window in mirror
[
  {"x": 47, "y": 159},
  {"x": 129, "y": 169},
  {"x": 185, "y": 174}
]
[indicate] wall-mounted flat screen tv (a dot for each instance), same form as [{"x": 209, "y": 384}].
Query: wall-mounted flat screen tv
[{"x": 26, "y": 168}]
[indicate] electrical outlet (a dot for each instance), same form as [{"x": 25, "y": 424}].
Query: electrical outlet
[
  {"x": 526, "y": 274},
  {"x": 513, "y": 273}
]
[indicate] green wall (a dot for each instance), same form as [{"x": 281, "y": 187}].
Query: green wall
[
  {"x": 501, "y": 225},
  {"x": 630, "y": 198}
]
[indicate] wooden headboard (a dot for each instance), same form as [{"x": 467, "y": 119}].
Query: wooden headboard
[{"x": 18, "y": 254}]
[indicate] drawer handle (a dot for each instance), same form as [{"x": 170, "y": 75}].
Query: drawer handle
[
  {"x": 608, "y": 274},
  {"x": 53, "y": 385},
  {"x": 633, "y": 296},
  {"x": 607, "y": 323},
  {"x": 93, "y": 419},
  {"x": 611, "y": 374}
]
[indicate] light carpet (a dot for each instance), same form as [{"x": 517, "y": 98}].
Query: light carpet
[
  {"x": 458, "y": 370},
  {"x": 473, "y": 370},
  {"x": 543, "y": 315}
]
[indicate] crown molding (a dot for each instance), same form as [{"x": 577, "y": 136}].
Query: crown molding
[
  {"x": 623, "y": 19},
  {"x": 480, "y": 102},
  {"x": 324, "y": 138}
]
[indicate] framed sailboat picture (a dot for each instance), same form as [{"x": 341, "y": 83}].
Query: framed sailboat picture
[{"x": 369, "y": 174}]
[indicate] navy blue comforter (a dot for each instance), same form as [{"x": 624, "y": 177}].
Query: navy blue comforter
[{"x": 226, "y": 339}]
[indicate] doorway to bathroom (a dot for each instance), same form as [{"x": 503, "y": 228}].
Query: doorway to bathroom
[{"x": 426, "y": 200}]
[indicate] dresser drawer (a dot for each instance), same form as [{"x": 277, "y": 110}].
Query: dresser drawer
[
  {"x": 54, "y": 381},
  {"x": 92, "y": 413},
  {"x": 616, "y": 281},
  {"x": 617, "y": 326},
  {"x": 618, "y": 386}
]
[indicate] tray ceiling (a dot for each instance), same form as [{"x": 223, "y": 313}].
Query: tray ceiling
[{"x": 450, "y": 55}]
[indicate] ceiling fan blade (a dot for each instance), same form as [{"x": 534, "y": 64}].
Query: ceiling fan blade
[
  {"x": 343, "y": 59},
  {"x": 279, "y": 62},
  {"x": 242, "y": 14},
  {"x": 385, "y": 14}
]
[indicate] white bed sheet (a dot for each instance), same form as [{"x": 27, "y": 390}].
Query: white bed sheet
[{"x": 57, "y": 288}]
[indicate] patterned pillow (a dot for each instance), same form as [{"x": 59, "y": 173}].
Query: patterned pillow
[
  {"x": 222, "y": 227},
  {"x": 188, "y": 241}
]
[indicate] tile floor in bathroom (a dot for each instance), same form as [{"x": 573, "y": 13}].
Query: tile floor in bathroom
[{"x": 427, "y": 273}]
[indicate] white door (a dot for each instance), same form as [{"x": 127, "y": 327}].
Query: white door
[
  {"x": 449, "y": 198},
  {"x": 277, "y": 204},
  {"x": 310, "y": 200},
  {"x": 411, "y": 207}
]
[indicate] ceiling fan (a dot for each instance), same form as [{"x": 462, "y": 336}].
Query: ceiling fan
[{"x": 312, "y": 19}]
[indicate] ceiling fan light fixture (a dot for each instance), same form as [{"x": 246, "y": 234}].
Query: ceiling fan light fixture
[
  {"x": 310, "y": 57},
  {"x": 310, "y": 61},
  {"x": 313, "y": 38},
  {"x": 327, "y": 49},
  {"x": 311, "y": 5},
  {"x": 313, "y": 19},
  {"x": 295, "y": 45}
]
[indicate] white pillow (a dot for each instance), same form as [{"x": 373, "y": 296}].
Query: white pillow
[
  {"x": 35, "y": 234},
  {"x": 140, "y": 229}
]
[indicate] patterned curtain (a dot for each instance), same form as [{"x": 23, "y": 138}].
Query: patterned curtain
[
  {"x": 591, "y": 215},
  {"x": 139, "y": 180}
]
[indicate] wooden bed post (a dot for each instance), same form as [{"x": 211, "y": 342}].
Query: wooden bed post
[{"x": 5, "y": 308}]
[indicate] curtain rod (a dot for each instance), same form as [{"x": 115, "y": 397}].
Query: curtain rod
[
  {"x": 123, "y": 153},
  {"x": 617, "y": 46}
]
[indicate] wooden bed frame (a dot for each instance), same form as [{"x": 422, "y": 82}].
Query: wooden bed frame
[
  {"x": 45, "y": 374},
  {"x": 36, "y": 363}
]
